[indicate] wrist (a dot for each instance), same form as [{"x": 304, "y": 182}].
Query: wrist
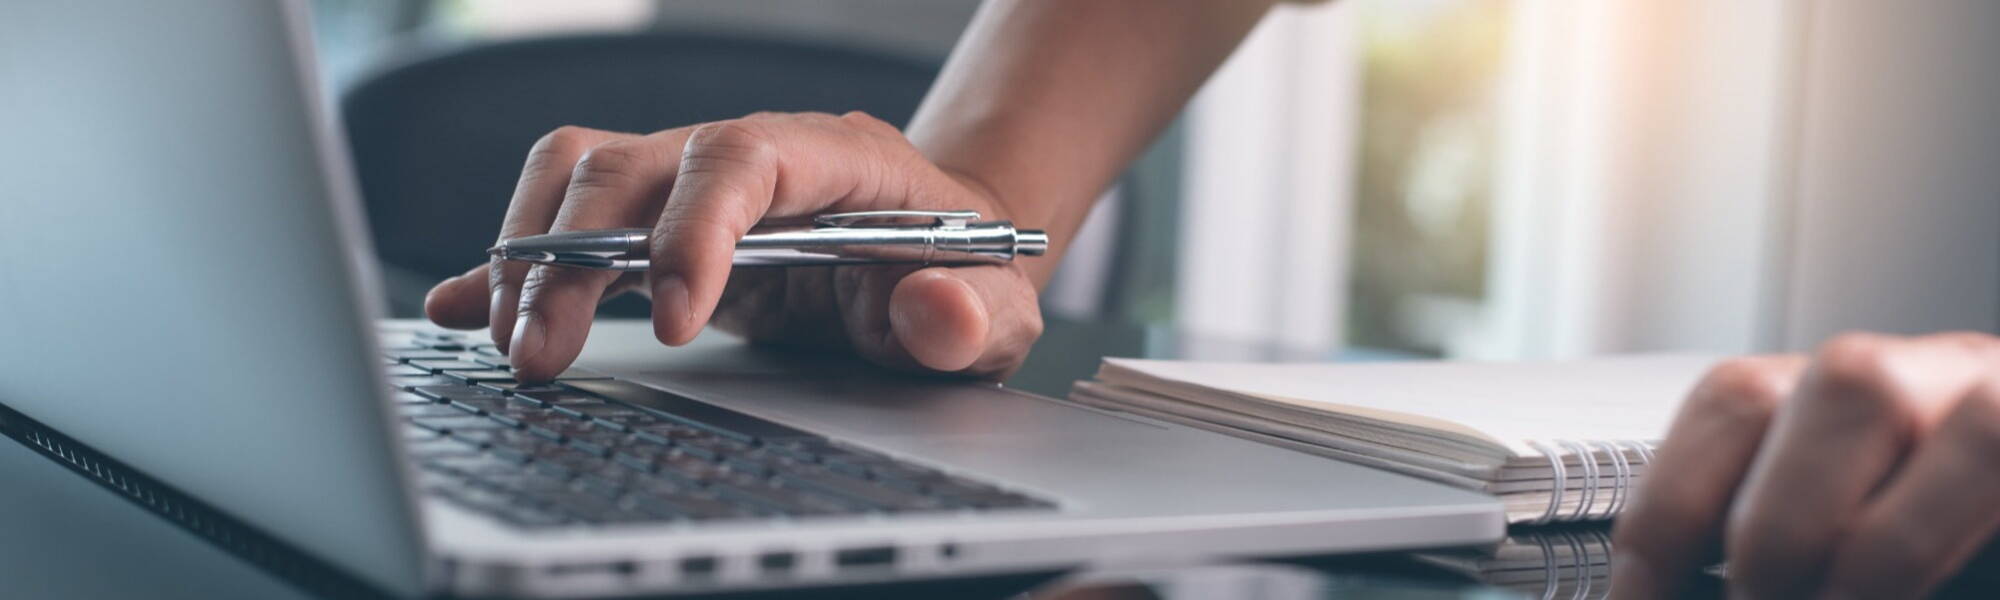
[{"x": 992, "y": 206}]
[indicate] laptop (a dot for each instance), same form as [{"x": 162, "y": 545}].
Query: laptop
[{"x": 187, "y": 293}]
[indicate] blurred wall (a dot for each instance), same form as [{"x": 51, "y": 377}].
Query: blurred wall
[{"x": 1897, "y": 210}]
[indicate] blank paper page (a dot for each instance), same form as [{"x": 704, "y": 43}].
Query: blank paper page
[{"x": 1508, "y": 403}]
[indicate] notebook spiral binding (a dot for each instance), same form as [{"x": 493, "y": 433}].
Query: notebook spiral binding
[
  {"x": 1623, "y": 478},
  {"x": 1582, "y": 566}
]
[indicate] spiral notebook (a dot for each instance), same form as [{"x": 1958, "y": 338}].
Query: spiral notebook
[{"x": 1556, "y": 441}]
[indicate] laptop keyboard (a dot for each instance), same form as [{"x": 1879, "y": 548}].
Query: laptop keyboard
[{"x": 591, "y": 450}]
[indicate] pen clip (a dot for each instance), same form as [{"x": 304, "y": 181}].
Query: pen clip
[{"x": 947, "y": 219}]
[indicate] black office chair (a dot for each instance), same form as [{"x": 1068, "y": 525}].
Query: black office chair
[{"x": 438, "y": 141}]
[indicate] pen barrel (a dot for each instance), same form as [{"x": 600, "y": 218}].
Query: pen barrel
[{"x": 993, "y": 242}]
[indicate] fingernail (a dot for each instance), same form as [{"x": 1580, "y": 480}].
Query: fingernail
[
  {"x": 672, "y": 295},
  {"x": 527, "y": 340}
]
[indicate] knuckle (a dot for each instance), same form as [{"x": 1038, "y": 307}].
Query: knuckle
[
  {"x": 533, "y": 289},
  {"x": 1745, "y": 384},
  {"x": 500, "y": 274},
  {"x": 739, "y": 140},
  {"x": 541, "y": 284},
  {"x": 565, "y": 140},
  {"x": 1855, "y": 359},
  {"x": 1031, "y": 328},
  {"x": 1861, "y": 368},
  {"x": 681, "y": 220},
  {"x": 609, "y": 162},
  {"x": 869, "y": 123},
  {"x": 1740, "y": 392}
]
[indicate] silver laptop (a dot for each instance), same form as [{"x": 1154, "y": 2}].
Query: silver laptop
[{"x": 185, "y": 289}]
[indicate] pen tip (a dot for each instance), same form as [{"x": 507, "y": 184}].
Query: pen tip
[{"x": 496, "y": 251}]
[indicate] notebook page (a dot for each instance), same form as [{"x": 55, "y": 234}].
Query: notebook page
[{"x": 1612, "y": 398}]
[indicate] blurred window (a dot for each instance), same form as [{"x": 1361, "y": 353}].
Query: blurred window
[{"x": 1428, "y": 93}]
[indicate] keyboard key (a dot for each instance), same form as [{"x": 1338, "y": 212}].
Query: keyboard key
[
  {"x": 491, "y": 361},
  {"x": 791, "y": 501},
  {"x": 527, "y": 484},
  {"x": 606, "y": 488},
  {"x": 746, "y": 466},
  {"x": 556, "y": 397},
  {"x": 587, "y": 410},
  {"x": 665, "y": 433},
  {"x": 519, "y": 415},
  {"x": 568, "y": 458},
  {"x": 408, "y": 382},
  {"x": 452, "y": 364},
  {"x": 510, "y": 387},
  {"x": 716, "y": 419},
  {"x": 418, "y": 353},
  {"x": 916, "y": 479},
  {"x": 479, "y": 377},
  {"x": 638, "y": 456},
  {"x": 474, "y": 465},
  {"x": 447, "y": 391},
  {"x": 413, "y": 433},
  {"x": 480, "y": 405},
  {"x": 458, "y": 422},
  {"x": 563, "y": 428},
  {"x": 626, "y": 424},
  {"x": 404, "y": 370},
  {"x": 428, "y": 410},
  {"x": 478, "y": 437},
  {"x": 594, "y": 509},
  {"x": 592, "y": 446},
  {"x": 437, "y": 448},
  {"x": 510, "y": 453},
  {"x": 878, "y": 496},
  {"x": 696, "y": 452},
  {"x": 792, "y": 450},
  {"x": 669, "y": 500},
  {"x": 407, "y": 397},
  {"x": 686, "y": 470}
]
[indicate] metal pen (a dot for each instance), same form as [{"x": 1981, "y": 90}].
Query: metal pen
[{"x": 873, "y": 237}]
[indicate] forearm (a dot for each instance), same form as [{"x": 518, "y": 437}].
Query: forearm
[{"x": 1044, "y": 102}]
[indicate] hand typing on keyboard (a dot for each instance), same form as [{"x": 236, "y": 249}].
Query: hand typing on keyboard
[{"x": 701, "y": 188}]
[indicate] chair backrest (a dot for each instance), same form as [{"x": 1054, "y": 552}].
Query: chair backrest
[{"x": 438, "y": 141}]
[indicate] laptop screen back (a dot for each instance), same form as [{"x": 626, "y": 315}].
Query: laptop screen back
[{"x": 175, "y": 284}]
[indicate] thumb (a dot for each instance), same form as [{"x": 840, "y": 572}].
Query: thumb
[
  {"x": 978, "y": 320},
  {"x": 939, "y": 319}
]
